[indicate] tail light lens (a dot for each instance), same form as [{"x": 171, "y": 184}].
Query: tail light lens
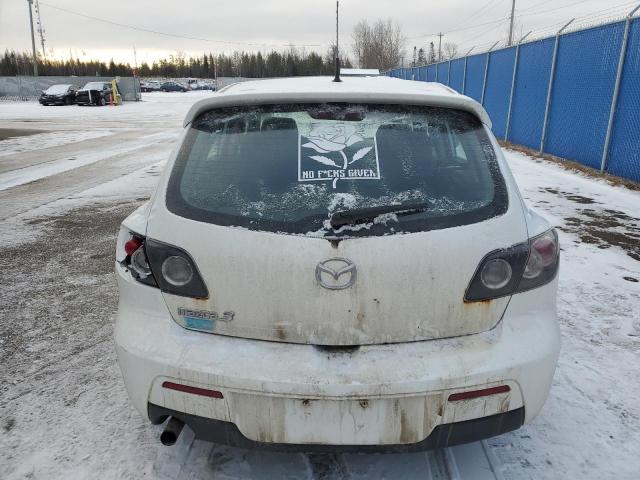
[
  {"x": 522, "y": 267},
  {"x": 542, "y": 264},
  {"x": 496, "y": 273},
  {"x": 164, "y": 266},
  {"x": 132, "y": 245},
  {"x": 140, "y": 264}
]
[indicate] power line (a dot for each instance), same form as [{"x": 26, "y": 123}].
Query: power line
[
  {"x": 541, "y": 12},
  {"x": 173, "y": 35},
  {"x": 478, "y": 12},
  {"x": 471, "y": 27},
  {"x": 500, "y": 20},
  {"x": 551, "y": 29},
  {"x": 590, "y": 17}
]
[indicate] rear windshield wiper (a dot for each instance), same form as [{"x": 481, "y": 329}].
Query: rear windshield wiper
[{"x": 368, "y": 214}]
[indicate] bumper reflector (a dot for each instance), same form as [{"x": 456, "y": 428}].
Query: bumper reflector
[
  {"x": 485, "y": 392},
  {"x": 194, "y": 390}
]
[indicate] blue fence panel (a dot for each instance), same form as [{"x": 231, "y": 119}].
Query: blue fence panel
[
  {"x": 530, "y": 92},
  {"x": 441, "y": 72},
  {"x": 581, "y": 98},
  {"x": 475, "y": 76},
  {"x": 496, "y": 98},
  {"x": 431, "y": 73},
  {"x": 582, "y": 91},
  {"x": 457, "y": 74},
  {"x": 624, "y": 151}
]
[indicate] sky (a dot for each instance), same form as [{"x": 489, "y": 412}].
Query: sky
[{"x": 217, "y": 26}]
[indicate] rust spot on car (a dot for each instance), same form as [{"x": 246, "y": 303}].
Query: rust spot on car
[
  {"x": 199, "y": 300},
  {"x": 504, "y": 403},
  {"x": 364, "y": 403},
  {"x": 485, "y": 303},
  {"x": 407, "y": 433},
  {"x": 281, "y": 333}
]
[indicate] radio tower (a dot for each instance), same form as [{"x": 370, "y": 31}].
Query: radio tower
[{"x": 40, "y": 28}]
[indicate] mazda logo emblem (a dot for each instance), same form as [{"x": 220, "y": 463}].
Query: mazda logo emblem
[{"x": 336, "y": 273}]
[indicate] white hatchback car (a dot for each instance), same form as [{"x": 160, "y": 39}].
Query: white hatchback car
[{"x": 337, "y": 266}]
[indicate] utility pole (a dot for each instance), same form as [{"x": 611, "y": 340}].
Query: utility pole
[
  {"x": 33, "y": 41},
  {"x": 440, "y": 47},
  {"x": 40, "y": 28},
  {"x": 513, "y": 11}
]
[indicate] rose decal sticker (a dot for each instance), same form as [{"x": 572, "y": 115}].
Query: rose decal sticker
[{"x": 340, "y": 145}]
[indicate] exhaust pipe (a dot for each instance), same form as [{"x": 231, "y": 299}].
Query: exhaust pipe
[{"x": 171, "y": 432}]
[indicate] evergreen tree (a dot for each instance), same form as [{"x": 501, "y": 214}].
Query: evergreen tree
[{"x": 432, "y": 54}]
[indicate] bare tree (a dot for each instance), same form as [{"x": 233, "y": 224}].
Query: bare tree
[
  {"x": 380, "y": 45},
  {"x": 450, "y": 51}
]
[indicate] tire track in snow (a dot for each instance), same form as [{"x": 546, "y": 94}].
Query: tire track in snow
[
  {"x": 36, "y": 172},
  {"x": 22, "y": 198}
]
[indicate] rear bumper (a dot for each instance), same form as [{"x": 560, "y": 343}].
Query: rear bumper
[
  {"x": 52, "y": 101},
  {"x": 279, "y": 393},
  {"x": 446, "y": 435}
]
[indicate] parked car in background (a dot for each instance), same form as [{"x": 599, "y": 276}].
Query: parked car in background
[
  {"x": 203, "y": 86},
  {"x": 94, "y": 93},
  {"x": 337, "y": 265},
  {"x": 173, "y": 87},
  {"x": 150, "y": 86},
  {"x": 63, "y": 94}
]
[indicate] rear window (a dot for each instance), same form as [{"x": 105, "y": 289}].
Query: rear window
[
  {"x": 289, "y": 168},
  {"x": 57, "y": 89},
  {"x": 94, "y": 86}
]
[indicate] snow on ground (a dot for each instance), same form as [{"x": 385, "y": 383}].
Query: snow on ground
[
  {"x": 155, "y": 104},
  {"x": 46, "y": 140},
  {"x": 590, "y": 425},
  {"x": 47, "y": 169},
  {"x": 63, "y": 409}
]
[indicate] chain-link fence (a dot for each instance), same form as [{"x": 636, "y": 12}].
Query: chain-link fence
[
  {"x": 30, "y": 88},
  {"x": 575, "y": 95}
]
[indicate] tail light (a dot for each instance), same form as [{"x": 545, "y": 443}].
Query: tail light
[
  {"x": 164, "y": 266},
  {"x": 517, "y": 269}
]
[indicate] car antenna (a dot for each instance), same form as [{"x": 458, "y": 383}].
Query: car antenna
[{"x": 337, "y": 55}]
